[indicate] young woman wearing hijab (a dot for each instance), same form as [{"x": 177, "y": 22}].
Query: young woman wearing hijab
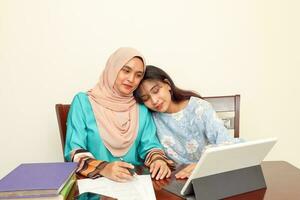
[
  {"x": 185, "y": 122},
  {"x": 107, "y": 131}
]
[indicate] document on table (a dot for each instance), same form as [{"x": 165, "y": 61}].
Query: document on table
[{"x": 137, "y": 189}]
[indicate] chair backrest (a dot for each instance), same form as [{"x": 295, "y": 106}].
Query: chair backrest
[
  {"x": 62, "y": 114},
  {"x": 228, "y": 109}
]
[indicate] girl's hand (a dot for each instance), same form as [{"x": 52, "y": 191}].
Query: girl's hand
[
  {"x": 159, "y": 170},
  {"x": 185, "y": 172},
  {"x": 117, "y": 171}
]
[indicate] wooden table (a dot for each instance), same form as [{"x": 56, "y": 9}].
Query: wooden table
[{"x": 282, "y": 179}]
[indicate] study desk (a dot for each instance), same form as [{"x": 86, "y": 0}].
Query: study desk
[{"x": 282, "y": 179}]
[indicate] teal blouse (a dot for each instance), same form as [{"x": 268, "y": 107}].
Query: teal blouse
[{"x": 83, "y": 133}]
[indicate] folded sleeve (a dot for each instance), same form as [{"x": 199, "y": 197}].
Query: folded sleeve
[{"x": 88, "y": 166}]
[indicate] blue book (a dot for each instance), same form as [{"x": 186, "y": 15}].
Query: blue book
[{"x": 36, "y": 180}]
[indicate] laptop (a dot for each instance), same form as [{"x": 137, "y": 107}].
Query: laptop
[{"x": 224, "y": 158}]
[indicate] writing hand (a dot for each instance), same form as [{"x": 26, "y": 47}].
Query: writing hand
[
  {"x": 185, "y": 172},
  {"x": 117, "y": 171}
]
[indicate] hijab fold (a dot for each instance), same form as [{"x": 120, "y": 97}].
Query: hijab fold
[{"x": 116, "y": 115}]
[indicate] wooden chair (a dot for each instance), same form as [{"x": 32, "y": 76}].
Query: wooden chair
[
  {"x": 228, "y": 109},
  {"x": 62, "y": 114}
]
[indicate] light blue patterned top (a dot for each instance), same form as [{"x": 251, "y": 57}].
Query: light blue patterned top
[{"x": 185, "y": 134}]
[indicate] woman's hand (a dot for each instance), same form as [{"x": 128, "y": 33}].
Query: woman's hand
[
  {"x": 185, "y": 172},
  {"x": 117, "y": 171},
  {"x": 159, "y": 169}
]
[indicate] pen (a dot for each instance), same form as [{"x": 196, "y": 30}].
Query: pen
[{"x": 131, "y": 171}]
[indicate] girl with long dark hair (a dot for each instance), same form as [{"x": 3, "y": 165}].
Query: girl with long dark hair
[{"x": 185, "y": 122}]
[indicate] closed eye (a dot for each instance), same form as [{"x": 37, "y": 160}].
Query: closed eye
[
  {"x": 145, "y": 98},
  {"x": 155, "y": 89}
]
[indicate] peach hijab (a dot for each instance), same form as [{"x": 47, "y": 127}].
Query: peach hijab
[{"x": 116, "y": 115}]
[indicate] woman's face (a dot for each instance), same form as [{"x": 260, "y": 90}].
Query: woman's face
[
  {"x": 156, "y": 95},
  {"x": 129, "y": 76}
]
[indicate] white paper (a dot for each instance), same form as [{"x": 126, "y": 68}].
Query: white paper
[{"x": 140, "y": 188}]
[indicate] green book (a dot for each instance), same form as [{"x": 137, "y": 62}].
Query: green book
[{"x": 67, "y": 188}]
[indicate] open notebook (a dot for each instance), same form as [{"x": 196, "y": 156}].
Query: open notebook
[{"x": 140, "y": 188}]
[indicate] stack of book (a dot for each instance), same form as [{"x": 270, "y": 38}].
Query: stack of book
[{"x": 39, "y": 181}]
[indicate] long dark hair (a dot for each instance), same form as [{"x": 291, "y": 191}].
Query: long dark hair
[{"x": 155, "y": 73}]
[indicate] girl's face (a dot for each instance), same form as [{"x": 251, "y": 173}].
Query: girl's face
[
  {"x": 129, "y": 76},
  {"x": 156, "y": 95}
]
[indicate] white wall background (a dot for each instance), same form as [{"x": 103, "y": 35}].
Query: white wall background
[{"x": 51, "y": 49}]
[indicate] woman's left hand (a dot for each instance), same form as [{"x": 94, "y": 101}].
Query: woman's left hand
[{"x": 159, "y": 170}]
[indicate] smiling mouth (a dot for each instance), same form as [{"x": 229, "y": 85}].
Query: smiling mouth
[
  {"x": 159, "y": 106},
  {"x": 128, "y": 87}
]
